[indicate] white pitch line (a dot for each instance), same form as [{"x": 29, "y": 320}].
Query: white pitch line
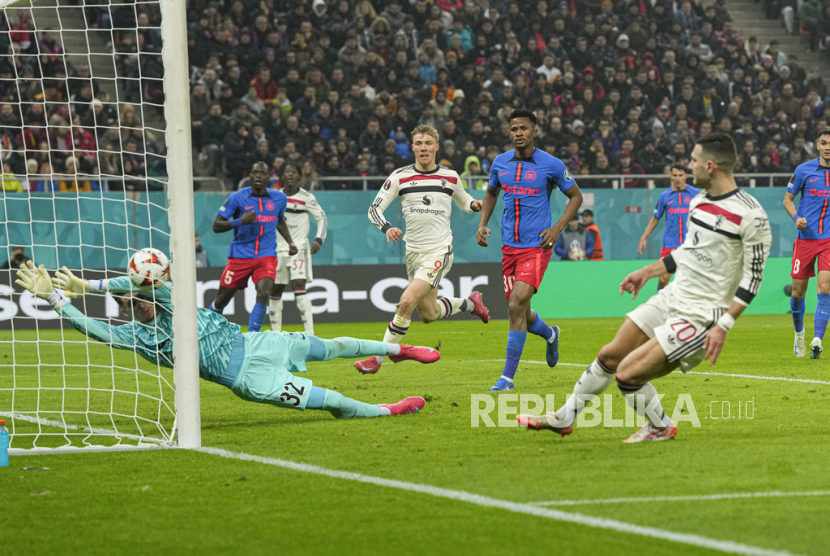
[
  {"x": 769, "y": 494},
  {"x": 734, "y": 375},
  {"x": 68, "y": 426},
  {"x": 758, "y": 377},
  {"x": 517, "y": 507}
]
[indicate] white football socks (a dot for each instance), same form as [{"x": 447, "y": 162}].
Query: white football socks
[
  {"x": 593, "y": 382},
  {"x": 275, "y": 313},
  {"x": 449, "y": 306},
  {"x": 395, "y": 332},
  {"x": 304, "y": 305},
  {"x": 646, "y": 402}
]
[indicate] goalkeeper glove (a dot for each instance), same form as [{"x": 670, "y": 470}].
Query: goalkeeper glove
[
  {"x": 69, "y": 283},
  {"x": 36, "y": 281}
]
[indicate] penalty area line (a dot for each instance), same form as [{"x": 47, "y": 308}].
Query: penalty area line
[
  {"x": 732, "y": 496},
  {"x": 517, "y": 507}
]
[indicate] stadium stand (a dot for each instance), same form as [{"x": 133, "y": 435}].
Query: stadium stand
[{"x": 338, "y": 85}]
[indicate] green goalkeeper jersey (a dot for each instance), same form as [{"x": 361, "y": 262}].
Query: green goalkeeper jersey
[{"x": 154, "y": 341}]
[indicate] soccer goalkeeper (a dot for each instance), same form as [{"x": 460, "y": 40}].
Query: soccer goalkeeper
[{"x": 257, "y": 367}]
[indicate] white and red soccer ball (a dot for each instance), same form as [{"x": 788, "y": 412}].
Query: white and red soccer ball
[{"x": 148, "y": 268}]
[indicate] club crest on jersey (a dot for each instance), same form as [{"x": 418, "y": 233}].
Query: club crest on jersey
[
  {"x": 567, "y": 175},
  {"x": 427, "y": 199},
  {"x": 530, "y": 175},
  {"x": 719, "y": 221},
  {"x": 269, "y": 206},
  {"x": 443, "y": 182}
]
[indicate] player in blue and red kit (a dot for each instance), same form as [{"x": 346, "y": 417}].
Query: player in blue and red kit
[
  {"x": 528, "y": 176},
  {"x": 255, "y": 214},
  {"x": 812, "y": 220},
  {"x": 674, "y": 203}
]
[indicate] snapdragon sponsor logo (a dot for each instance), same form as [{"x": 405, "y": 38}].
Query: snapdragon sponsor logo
[
  {"x": 426, "y": 211},
  {"x": 501, "y": 410}
]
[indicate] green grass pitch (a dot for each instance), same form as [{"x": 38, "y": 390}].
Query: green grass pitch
[{"x": 182, "y": 502}]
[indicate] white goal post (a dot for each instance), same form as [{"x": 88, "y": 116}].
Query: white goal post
[{"x": 95, "y": 145}]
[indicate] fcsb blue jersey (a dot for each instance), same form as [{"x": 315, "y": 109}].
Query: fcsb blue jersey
[
  {"x": 258, "y": 239},
  {"x": 527, "y": 185},
  {"x": 675, "y": 205},
  {"x": 813, "y": 181}
]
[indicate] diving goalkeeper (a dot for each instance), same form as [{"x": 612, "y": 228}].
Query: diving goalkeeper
[{"x": 256, "y": 366}]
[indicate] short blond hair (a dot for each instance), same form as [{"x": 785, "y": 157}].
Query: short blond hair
[{"x": 425, "y": 130}]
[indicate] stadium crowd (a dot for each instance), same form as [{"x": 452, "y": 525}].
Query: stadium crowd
[
  {"x": 62, "y": 128},
  {"x": 618, "y": 87},
  {"x": 337, "y": 85}
]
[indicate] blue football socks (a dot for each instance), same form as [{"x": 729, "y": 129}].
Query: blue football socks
[
  {"x": 214, "y": 309},
  {"x": 822, "y": 314},
  {"x": 540, "y": 327},
  {"x": 515, "y": 346},
  {"x": 257, "y": 317},
  {"x": 798, "y": 314}
]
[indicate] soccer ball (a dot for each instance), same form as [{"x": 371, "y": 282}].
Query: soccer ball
[{"x": 148, "y": 267}]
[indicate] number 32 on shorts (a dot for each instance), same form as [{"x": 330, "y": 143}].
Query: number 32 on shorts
[{"x": 289, "y": 397}]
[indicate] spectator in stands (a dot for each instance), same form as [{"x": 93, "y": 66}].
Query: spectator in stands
[
  {"x": 372, "y": 139},
  {"x": 628, "y": 168},
  {"x": 201, "y": 254},
  {"x": 17, "y": 257},
  {"x": 602, "y": 168},
  {"x": 71, "y": 181},
  {"x": 212, "y": 131},
  {"x": 237, "y": 146},
  {"x": 10, "y": 183},
  {"x": 574, "y": 243},
  {"x": 308, "y": 176},
  {"x": 649, "y": 158},
  {"x": 593, "y": 229}
]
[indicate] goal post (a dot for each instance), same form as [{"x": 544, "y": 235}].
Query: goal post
[
  {"x": 182, "y": 227},
  {"x": 95, "y": 146}
]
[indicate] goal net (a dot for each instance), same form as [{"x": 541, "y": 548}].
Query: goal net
[{"x": 83, "y": 124}]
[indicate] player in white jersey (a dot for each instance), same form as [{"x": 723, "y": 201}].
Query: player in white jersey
[
  {"x": 426, "y": 190},
  {"x": 718, "y": 271},
  {"x": 296, "y": 269}
]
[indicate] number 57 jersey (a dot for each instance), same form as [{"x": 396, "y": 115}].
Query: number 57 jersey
[{"x": 723, "y": 256}]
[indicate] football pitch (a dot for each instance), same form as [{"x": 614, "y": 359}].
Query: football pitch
[{"x": 275, "y": 481}]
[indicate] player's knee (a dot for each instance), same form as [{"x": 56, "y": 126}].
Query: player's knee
[
  {"x": 610, "y": 356},
  {"x": 406, "y": 306},
  {"x": 428, "y": 316},
  {"x": 516, "y": 306}
]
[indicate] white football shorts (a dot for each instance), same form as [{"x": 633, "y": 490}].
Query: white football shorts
[
  {"x": 294, "y": 267},
  {"x": 429, "y": 267}
]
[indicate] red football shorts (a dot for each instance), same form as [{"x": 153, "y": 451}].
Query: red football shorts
[
  {"x": 805, "y": 253},
  {"x": 664, "y": 251},
  {"x": 237, "y": 271},
  {"x": 525, "y": 264}
]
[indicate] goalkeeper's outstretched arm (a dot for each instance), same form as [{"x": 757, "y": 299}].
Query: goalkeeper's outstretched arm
[{"x": 37, "y": 281}]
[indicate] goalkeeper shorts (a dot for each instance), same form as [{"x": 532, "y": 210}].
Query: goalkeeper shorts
[{"x": 265, "y": 376}]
